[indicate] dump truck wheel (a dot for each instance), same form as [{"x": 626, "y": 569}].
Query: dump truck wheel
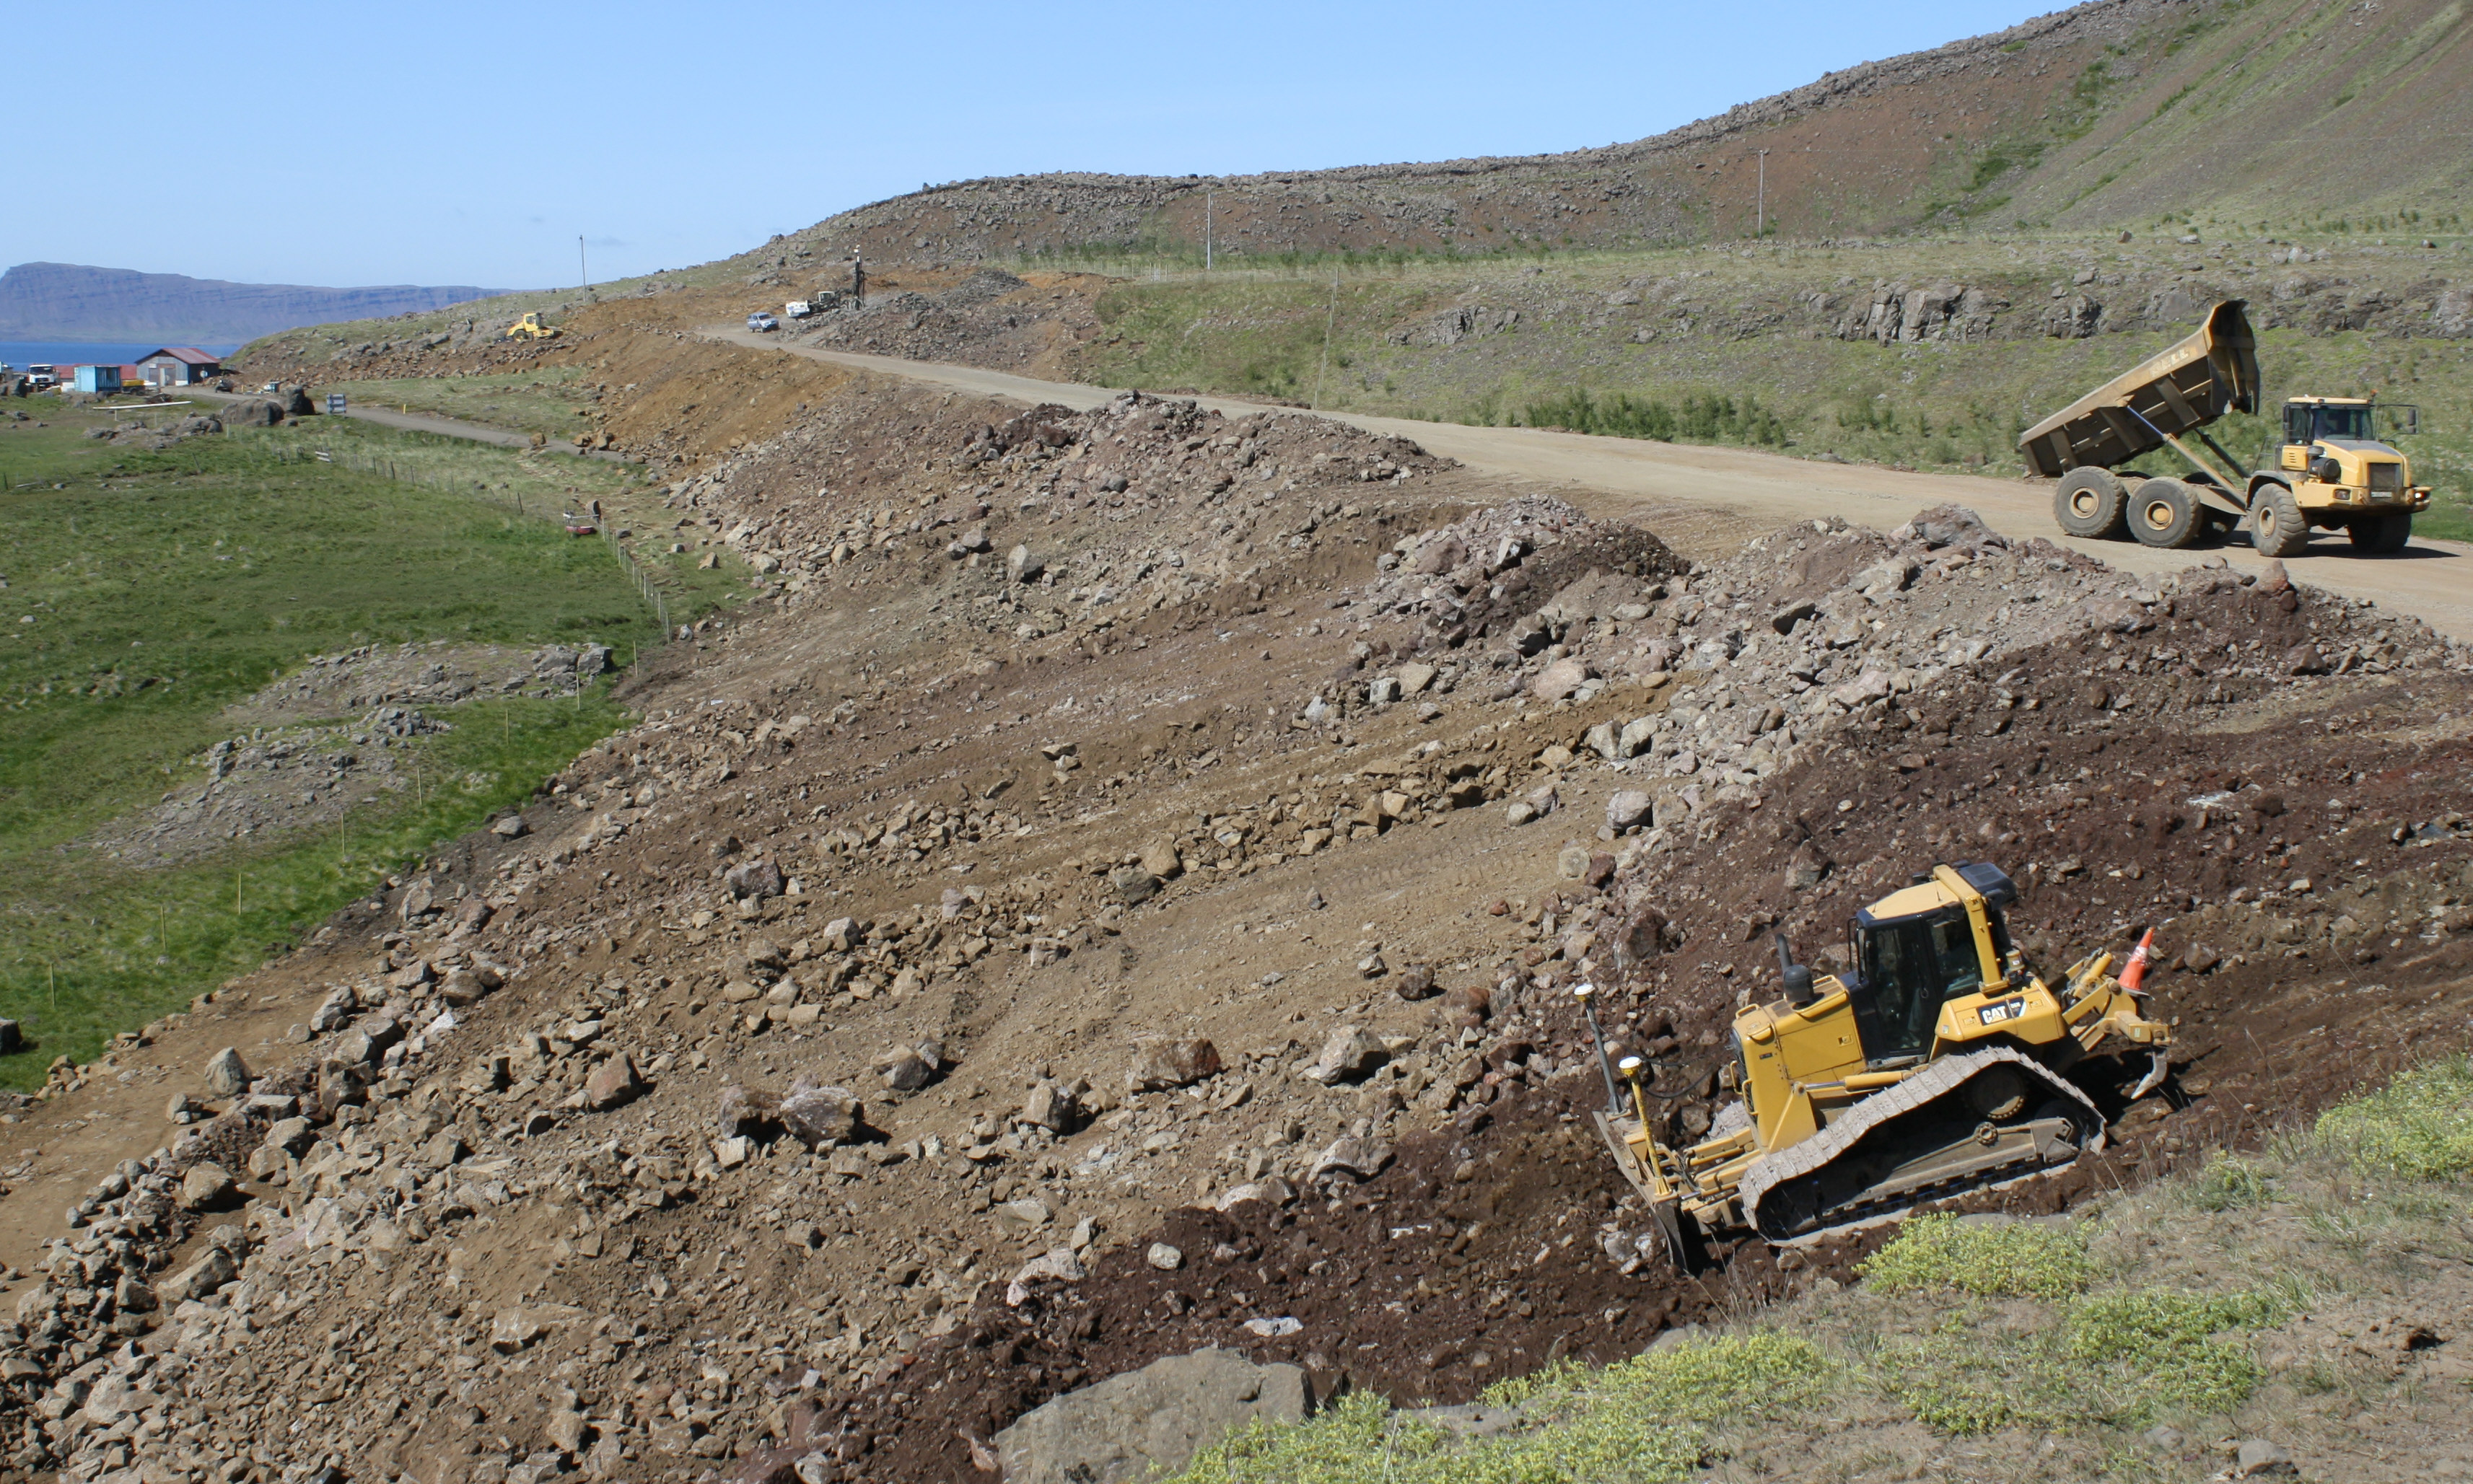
[
  {"x": 2089, "y": 503},
  {"x": 2276, "y": 527},
  {"x": 2382, "y": 535},
  {"x": 2164, "y": 512}
]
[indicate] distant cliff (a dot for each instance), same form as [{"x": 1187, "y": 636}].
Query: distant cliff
[{"x": 66, "y": 301}]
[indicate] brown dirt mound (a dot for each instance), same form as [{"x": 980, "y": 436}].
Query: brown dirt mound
[{"x": 1477, "y": 1256}]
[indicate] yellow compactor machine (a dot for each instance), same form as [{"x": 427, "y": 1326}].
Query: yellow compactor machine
[
  {"x": 1932, "y": 1066},
  {"x": 2332, "y": 472},
  {"x": 530, "y": 327}
]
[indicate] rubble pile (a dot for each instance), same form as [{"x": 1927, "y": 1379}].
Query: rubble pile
[
  {"x": 299, "y": 765},
  {"x": 1055, "y": 520}
]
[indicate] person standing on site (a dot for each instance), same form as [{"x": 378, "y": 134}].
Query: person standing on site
[{"x": 858, "y": 279}]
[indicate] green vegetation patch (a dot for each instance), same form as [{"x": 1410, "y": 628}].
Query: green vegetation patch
[
  {"x": 1698, "y": 417},
  {"x": 2231, "y": 1182},
  {"x": 2154, "y": 1349},
  {"x": 2419, "y": 1125},
  {"x": 551, "y": 400},
  {"x": 152, "y": 591},
  {"x": 1643, "y": 1420},
  {"x": 2122, "y": 1357},
  {"x": 2015, "y": 1258}
]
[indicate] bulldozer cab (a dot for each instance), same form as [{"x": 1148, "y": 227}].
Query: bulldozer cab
[{"x": 1914, "y": 950}]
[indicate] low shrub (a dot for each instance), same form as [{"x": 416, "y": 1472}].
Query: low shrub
[
  {"x": 2419, "y": 1125},
  {"x": 1639, "y": 1422},
  {"x": 2004, "y": 1259}
]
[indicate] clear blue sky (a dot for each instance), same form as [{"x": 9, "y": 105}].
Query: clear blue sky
[{"x": 462, "y": 143}]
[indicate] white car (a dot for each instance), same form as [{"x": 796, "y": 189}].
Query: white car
[{"x": 760, "y": 320}]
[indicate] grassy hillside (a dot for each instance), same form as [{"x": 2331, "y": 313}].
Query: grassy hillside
[
  {"x": 2281, "y": 114},
  {"x": 150, "y": 592}
]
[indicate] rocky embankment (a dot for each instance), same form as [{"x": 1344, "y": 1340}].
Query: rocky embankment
[{"x": 1120, "y": 894}]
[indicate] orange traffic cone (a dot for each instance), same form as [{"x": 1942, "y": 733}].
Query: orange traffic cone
[{"x": 2134, "y": 973}]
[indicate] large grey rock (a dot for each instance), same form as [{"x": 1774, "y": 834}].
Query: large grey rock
[
  {"x": 821, "y": 1117},
  {"x": 1149, "y": 1423},
  {"x": 1559, "y": 680},
  {"x": 227, "y": 1074},
  {"x": 1629, "y": 807},
  {"x": 1348, "y": 1055},
  {"x": 760, "y": 879},
  {"x": 1164, "y": 1061}
]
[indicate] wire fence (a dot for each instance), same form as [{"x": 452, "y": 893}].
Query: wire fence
[{"x": 640, "y": 576}]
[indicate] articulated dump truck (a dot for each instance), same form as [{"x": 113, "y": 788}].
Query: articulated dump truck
[
  {"x": 2331, "y": 471},
  {"x": 1935, "y": 1065}
]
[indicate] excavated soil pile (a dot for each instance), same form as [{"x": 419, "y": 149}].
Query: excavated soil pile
[{"x": 990, "y": 318}]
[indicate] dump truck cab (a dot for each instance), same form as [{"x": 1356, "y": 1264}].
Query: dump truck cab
[{"x": 2339, "y": 474}]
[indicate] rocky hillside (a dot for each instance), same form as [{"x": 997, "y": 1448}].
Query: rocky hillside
[
  {"x": 2107, "y": 112},
  {"x": 71, "y": 301}
]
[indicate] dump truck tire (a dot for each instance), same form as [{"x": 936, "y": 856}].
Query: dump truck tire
[
  {"x": 2164, "y": 512},
  {"x": 2089, "y": 503},
  {"x": 2382, "y": 535},
  {"x": 2276, "y": 527}
]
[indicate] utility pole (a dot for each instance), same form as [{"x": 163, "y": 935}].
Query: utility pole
[
  {"x": 1205, "y": 232},
  {"x": 582, "y": 271},
  {"x": 1761, "y": 198}
]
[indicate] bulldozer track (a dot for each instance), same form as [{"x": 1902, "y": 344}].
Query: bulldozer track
[{"x": 1937, "y": 1080}]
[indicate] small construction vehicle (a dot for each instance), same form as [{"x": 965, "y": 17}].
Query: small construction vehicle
[
  {"x": 1932, "y": 1066},
  {"x": 2331, "y": 472},
  {"x": 530, "y": 327}
]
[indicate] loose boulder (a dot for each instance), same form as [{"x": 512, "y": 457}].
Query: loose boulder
[
  {"x": 1149, "y": 1423},
  {"x": 1164, "y": 1061},
  {"x": 1348, "y": 1055},
  {"x": 227, "y": 1074}
]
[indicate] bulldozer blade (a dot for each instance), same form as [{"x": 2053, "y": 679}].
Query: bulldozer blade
[
  {"x": 1669, "y": 1224},
  {"x": 2156, "y": 1075}
]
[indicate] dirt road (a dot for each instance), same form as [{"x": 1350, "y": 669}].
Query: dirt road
[{"x": 1623, "y": 477}]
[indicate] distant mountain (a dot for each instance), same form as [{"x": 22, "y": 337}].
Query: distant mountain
[{"x": 68, "y": 301}]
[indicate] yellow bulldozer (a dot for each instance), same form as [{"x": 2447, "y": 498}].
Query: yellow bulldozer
[
  {"x": 530, "y": 327},
  {"x": 2332, "y": 471},
  {"x": 1931, "y": 1066}
]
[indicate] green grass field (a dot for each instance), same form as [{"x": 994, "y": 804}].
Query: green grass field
[
  {"x": 146, "y": 592},
  {"x": 547, "y": 400}
]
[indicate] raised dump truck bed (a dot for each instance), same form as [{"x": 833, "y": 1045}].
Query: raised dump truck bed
[
  {"x": 2331, "y": 472},
  {"x": 2175, "y": 392}
]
